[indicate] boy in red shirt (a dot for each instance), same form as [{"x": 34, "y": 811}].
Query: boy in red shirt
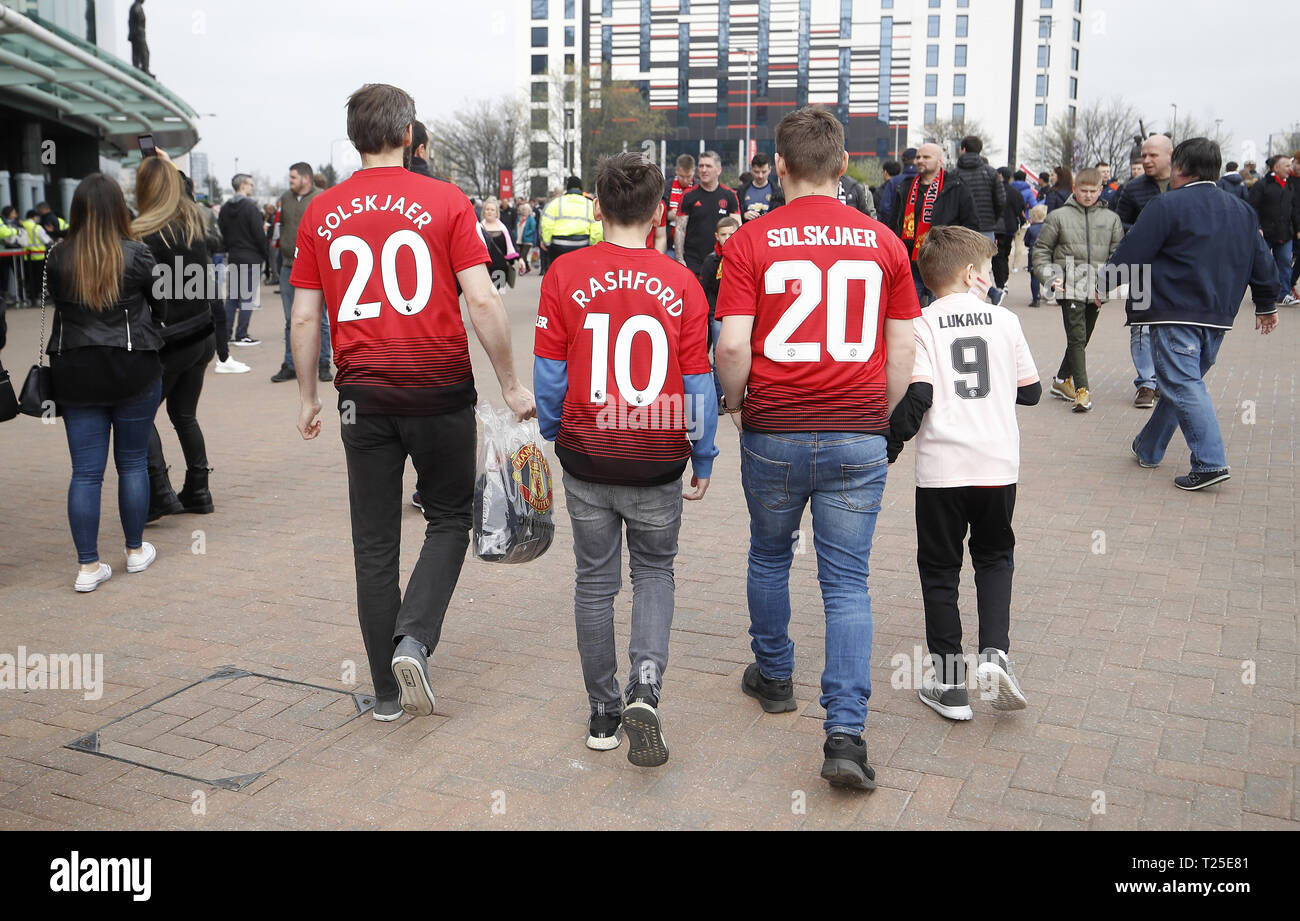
[{"x": 623, "y": 388}]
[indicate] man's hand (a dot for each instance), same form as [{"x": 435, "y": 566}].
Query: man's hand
[
  {"x": 308, "y": 424},
  {"x": 752, "y": 215},
  {"x": 520, "y": 400},
  {"x": 1098, "y": 300},
  {"x": 698, "y": 488},
  {"x": 1058, "y": 284},
  {"x": 1266, "y": 323}
]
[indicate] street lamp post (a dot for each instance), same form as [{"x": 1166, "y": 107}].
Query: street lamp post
[
  {"x": 1044, "y": 77},
  {"x": 1173, "y": 132},
  {"x": 749, "y": 78}
]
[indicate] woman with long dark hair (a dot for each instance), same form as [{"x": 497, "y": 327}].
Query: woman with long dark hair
[
  {"x": 171, "y": 225},
  {"x": 107, "y": 376},
  {"x": 1061, "y": 190}
]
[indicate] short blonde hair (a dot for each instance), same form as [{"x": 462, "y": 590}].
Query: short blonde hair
[
  {"x": 1038, "y": 214},
  {"x": 947, "y": 251}
]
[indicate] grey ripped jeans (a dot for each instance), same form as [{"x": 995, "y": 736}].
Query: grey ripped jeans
[{"x": 653, "y": 516}]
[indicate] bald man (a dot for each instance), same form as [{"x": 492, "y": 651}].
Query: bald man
[
  {"x": 934, "y": 197},
  {"x": 1157, "y": 169}
]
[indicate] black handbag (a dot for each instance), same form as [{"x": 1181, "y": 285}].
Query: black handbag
[
  {"x": 8, "y": 402},
  {"x": 37, "y": 397}
]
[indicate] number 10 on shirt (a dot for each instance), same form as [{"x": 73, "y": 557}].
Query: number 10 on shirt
[{"x": 598, "y": 323}]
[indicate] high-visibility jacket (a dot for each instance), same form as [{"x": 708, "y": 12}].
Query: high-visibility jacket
[
  {"x": 12, "y": 237},
  {"x": 37, "y": 240},
  {"x": 571, "y": 217}
]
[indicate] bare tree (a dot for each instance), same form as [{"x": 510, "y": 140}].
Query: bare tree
[
  {"x": 617, "y": 117},
  {"x": 1286, "y": 141},
  {"x": 948, "y": 134},
  {"x": 1102, "y": 131},
  {"x": 477, "y": 141}
]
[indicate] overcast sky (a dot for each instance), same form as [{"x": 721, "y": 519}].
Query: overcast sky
[{"x": 277, "y": 73}]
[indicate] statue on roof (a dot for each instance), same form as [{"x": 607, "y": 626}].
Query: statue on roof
[{"x": 135, "y": 35}]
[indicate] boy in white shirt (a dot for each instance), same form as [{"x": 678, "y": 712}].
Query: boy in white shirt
[{"x": 972, "y": 367}]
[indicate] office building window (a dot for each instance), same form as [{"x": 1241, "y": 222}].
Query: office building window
[
  {"x": 569, "y": 63},
  {"x": 1074, "y": 87},
  {"x": 959, "y": 112},
  {"x": 886, "y": 4},
  {"x": 963, "y": 4},
  {"x": 932, "y": 26},
  {"x": 568, "y": 36},
  {"x": 934, "y": 4},
  {"x": 1040, "y": 114},
  {"x": 959, "y": 84},
  {"x": 1044, "y": 55},
  {"x": 539, "y": 64},
  {"x": 931, "y": 113},
  {"x": 1074, "y": 59},
  {"x": 539, "y": 37},
  {"x": 1074, "y": 116},
  {"x": 962, "y": 26},
  {"x": 1041, "y": 83},
  {"x": 537, "y": 155},
  {"x": 932, "y": 84},
  {"x": 539, "y": 120},
  {"x": 1078, "y": 30},
  {"x": 539, "y": 92},
  {"x": 931, "y": 55},
  {"x": 959, "y": 56},
  {"x": 1045, "y": 4},
  {"x": 568, "y": 9},
  {"x": 1044, "y": 27},
  {"x": 540, "y": 10},
  {"x": 1078, "y": 6}
]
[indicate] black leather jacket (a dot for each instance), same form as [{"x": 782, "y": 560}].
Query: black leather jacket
[{"x": 128, "y": 324}]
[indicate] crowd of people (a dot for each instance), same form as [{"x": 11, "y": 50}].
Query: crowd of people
[{"x": 761, "y": 277}]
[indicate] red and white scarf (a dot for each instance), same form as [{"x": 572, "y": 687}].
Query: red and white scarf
[{"x": 914, "y": 228}]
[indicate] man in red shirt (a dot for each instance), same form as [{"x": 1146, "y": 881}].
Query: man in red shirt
[
  {"x": 386, "y": 250},
  {"x": 817, "y": 346},
  {"x": 623, "y": 388}
]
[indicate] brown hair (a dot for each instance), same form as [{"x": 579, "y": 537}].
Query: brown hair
[
  {"x": 947, "y": 251},
  {"x": 91, "y": 260},
  {"x": 811, "y": 142},
  {"x": 164, "y": 206},
  {"x": 629, "y": 188},
  {"x": 686, "y": 161},
  {"x": 1087, "y": 177},
  {"x": 1064, "y": 179},
  {"x": 727, "y": 221},
  {"x": 378, "y": 116}
]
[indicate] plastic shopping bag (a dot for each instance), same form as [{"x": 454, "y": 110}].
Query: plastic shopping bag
[{"x": 512, "y": 493}]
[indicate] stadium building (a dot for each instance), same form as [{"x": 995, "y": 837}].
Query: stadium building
[
  {"x": 894, "y": 71},
  {"x": 66, "y": 99}
]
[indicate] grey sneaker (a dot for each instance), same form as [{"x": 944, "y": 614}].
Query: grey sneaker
[
  {"x": 645, "y": 734},
  {"x": 411, "y": 669},
  {"x": 387, "y": 710},
  {"x": 946, "y": 700},
  {"x": 998, "y": 683}
]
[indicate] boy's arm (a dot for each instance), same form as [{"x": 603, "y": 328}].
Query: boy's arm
[
  {"x": 550, "y": 383},
  {"x": 1029, "y": 394},
  {"x": 702, "y": 397},
  {"x": 1029, "y": 386},
  {"x": 905, "y": 420}
]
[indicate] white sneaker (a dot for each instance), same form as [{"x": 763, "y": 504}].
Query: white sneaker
[
  {"x": 230, "y": 366},
  {"x": 89, "y": 581},
  {"x": 140, "y": 560}
]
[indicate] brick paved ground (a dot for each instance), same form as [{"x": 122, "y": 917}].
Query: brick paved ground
[{"x": 1132, "y": 659}]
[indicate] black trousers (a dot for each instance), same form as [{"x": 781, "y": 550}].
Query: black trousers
[
  {"x": 182, "y": 384},
  {"x": 441, "y": 448},
  {"x": 942, "y": 519},
  {"x": 1002, "y": 259}
]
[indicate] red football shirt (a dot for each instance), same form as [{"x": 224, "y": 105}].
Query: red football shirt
[
  {"x": 819, "y": 278},
  {"x": 629, "y": 323},
  {"x": 384, "y": 248}
]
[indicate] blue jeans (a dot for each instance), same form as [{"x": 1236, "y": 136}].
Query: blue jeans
[
  {"x": 1139, "y": 346},
  {"x": 843, "y": 476},
  {"x": 1183, "y": 355},
  {"x": 243, "y": 296},
  {"x": 87, "y": 428},
  {"x": 922, "y": 292},
  {"x": 1282, "y": 255},
  {"x": 715, "y": 330},
  {"x": 286, "y": 298}
]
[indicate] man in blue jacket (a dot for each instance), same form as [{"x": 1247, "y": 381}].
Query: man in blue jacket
[
  {"x": 1197, "y": 249},
  {"x": 890, "y": 191}
]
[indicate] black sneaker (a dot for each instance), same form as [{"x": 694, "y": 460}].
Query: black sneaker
[
  {"x": 285, "y": 373},
  {"x": 846, "y": 762},
  {"x": 774, "y": 696},
  {"x": 1199, "y": 479},
  {"x": 246, "y": 341},
  {"x": 602, "y": 731},
  {"x": 415, "y": 500},
  {"x": 324, "y": 375},
  {"x": 645, "y": 734}
]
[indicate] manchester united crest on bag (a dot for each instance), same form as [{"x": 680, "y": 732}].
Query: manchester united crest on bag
[{"x": 513, "y": 494}]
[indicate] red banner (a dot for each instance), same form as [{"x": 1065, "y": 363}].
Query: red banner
[{"x": 506, "y": 185}]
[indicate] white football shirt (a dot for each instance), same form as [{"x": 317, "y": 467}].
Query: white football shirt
[{"x": 976, "y": 357}]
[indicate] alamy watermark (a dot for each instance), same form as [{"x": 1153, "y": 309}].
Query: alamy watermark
[{"x": 54, "y": 672}]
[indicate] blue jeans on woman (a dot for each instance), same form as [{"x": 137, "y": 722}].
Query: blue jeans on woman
[
  {"x": 87, "y": 428},
  {"x": 1183, "y": 355},
  {"x": 842, "y": 475}
]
